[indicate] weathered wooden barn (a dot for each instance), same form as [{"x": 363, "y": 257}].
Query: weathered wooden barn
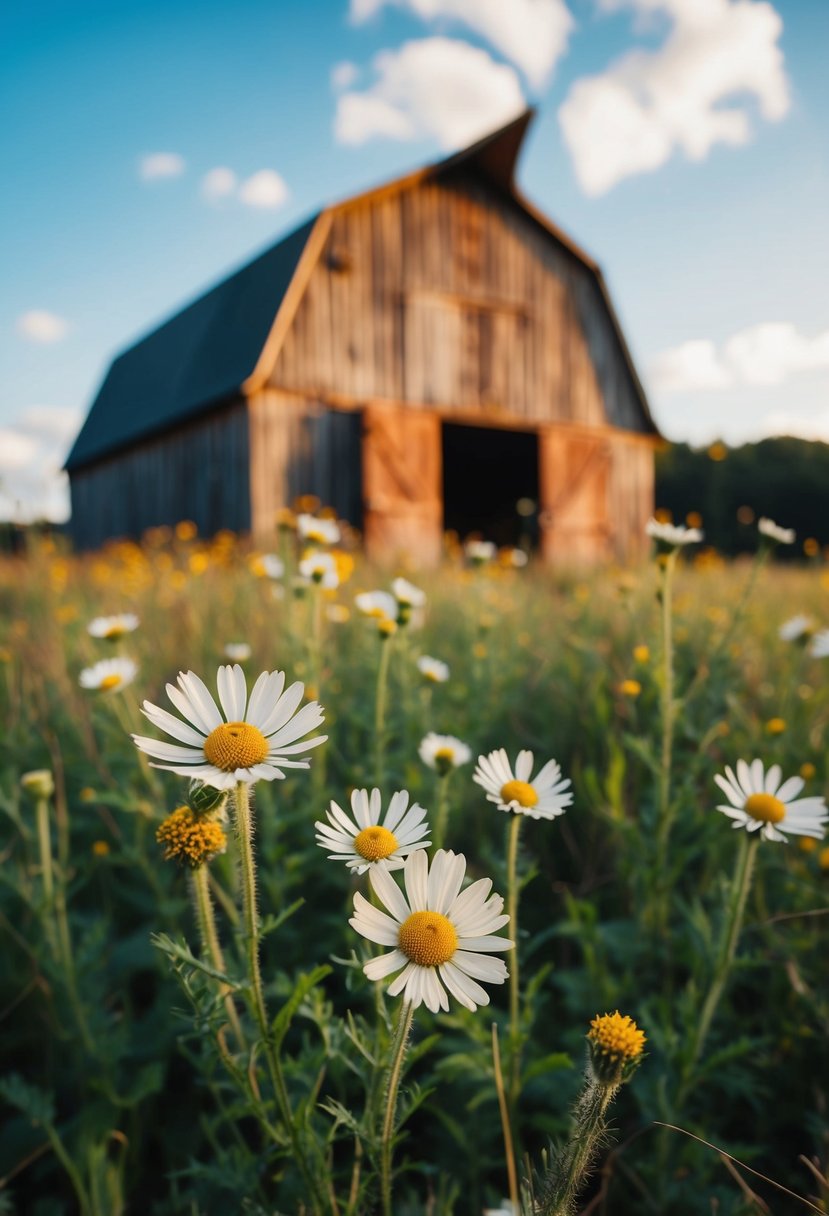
[{"x": 421, "y": 356}]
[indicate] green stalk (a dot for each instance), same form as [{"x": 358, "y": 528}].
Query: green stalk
[
  {"x": 211, "y": 946},
  {"x": 668, "y": 713},
  {"x": 740, "y": 886},
  {"x": 514, "y": 982},
  {"x": 244, "y": 834},
  {"x": 380, "y": 712},
  {"x": 561, "y": 1188},
  {"x": 398, "y": 1054},
  {"x": 45, "y": 845},
  {"x": 442, "y": 812},
  {"x": 509, "y": 1151}
]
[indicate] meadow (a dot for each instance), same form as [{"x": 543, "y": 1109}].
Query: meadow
[{"x": 202, "y": 1039}]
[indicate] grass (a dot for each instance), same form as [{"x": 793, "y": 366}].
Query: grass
[{"x": 124, "y": 1091}]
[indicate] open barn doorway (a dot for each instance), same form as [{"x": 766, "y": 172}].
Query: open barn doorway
[{"x": 490, "y": 483}]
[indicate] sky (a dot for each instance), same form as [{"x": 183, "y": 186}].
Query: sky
[{"x": 151, "y": 147}]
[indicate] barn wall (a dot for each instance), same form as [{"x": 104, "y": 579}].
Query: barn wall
[
  {"x": 448, "y": 294},
  {"x": 198, "y": 472}
]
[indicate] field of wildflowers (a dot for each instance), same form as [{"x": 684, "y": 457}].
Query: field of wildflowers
[{"x": 507, "y": 895}]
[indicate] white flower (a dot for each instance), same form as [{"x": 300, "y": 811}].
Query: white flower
[
  {"x": 545, "y": 797},
  {"x": 783, "y": 536},
  {"x": 820, "y": 645},
  {"x": 433, "y": 670},
  {"x": 320, "y": 531},
  {"x": 378, "y": 604},
  {"x": 270, "y": 565},
  {"x": 675, "y": 535},
  {"x": 112, "y": 627},
  {"x": 443, "y": 752},
  {"x": 238, "y": 652},
  {"x": 479, "y": 551},
  {"x": 514, "y": 557},
  {"x": 757, "y": 801},
  {"x": 407, "y": 594},
  {"x": 441, "y": 938},
  {"x": 368, "y": 843},
  {"x": 110, "y": 675},
  {"x": 320, "y": 568},
  {"x": 251, "y": 742},
  {"x": 506, "y": 1209},
  {"x": 796, "y": 627}
]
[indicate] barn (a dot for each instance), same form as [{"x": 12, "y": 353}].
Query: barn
[{"x": 423, "y": 357}]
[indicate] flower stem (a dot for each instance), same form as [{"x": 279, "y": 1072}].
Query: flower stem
[
  {"x": 561, "y": 1189},
  {"x": 442, "y": 812},
  {"x": 740, "y": 886},
  {"x": 244, "y": 833},
  {"x": 514, "y": 981},
  {"x": 212, "y": 947},
  {"x": 398, "y": 1054},
  {"x": 509, "y": 1152},
  {"x": 380, "y": 712},
  {"x": 45, "y": 845},
  {"x": 664, "y": 809}
]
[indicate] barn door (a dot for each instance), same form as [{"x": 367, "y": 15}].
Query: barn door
[
  {"x": 402, "y": 484},
  {"x": 574, "y": 477}
]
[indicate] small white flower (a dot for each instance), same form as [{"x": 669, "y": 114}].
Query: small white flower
[
  {"x": 407, "y": 594},
  {"x": 820, "y": 645},
  {"x": 378, "y": 604},
  {"x": 506, "y": 1209},
  {"x": 783, "y": 536},
  {"x": 253, "y": 741},
  {"x": 515, "y": 557},
  {"x": 237, "y": 652},
  {"x": 271, "y": 565},
  {"x": 112, "y": 627},
  {"x": 544, "y": 797},
  {"x": 796, "y": 627},
  {"x": 365, "y": 843},
  {"x": 674, "y": 535},
  {"x": 479, "y": 551},
  {"x": 758, "y": 802},
  {"x": 319, "y": 531},
  {"x": 434, "y": 671},
  {"x": 110, "y": 675},
  {"x": 441, "y": 937},
  {"x": 320, "y": 568},
  {"x": 443, "y": 752}
]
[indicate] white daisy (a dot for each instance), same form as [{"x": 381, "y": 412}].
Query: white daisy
[
  {"x": 433, "y": 670},
  {"x": 364, "y": 842},
  {"x": 514, "y": 557},
  {"x": 111, "y": 628},
  {"x": 820, "y": 645},
  {"x": 238, "y": 652},
  {"x": 407, "y": 595},
  {"x": 783, "y": 536},
  {"x": 757, "y": 801},
  {"x": 545, "y": 797},
  {"x": 269, "y": 565},
  {"x": 796, "y": 628},
  {"x": 479, "y": 551},
  {"x": 442, "y": 937},
  {"x": 249, "y": 741},
  {"x": 443, "y": 752},
  {"x": 110, "y": 675},
  {"x": 378, "y": 604},
  {"x": 675, "y": 535},
  {"x": 320, "y": 568},
  {"x": 319, "y": 531}
]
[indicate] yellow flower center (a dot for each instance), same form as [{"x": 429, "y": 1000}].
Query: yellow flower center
[
  {"x": 616, "y": 1036},
  {"x": 375, "y": 843},
  {"x": 109, "y": 682},
  {"x": 190, "y": 839},
  {"x": 446, "y": 753},
  {"x": 428, "y": 939},
  {"x": 766, "y": 808},
  {"x": 114, "y": 632},
  {"x": 235, "y": 745},
  {"x": 519, "y": 791}
]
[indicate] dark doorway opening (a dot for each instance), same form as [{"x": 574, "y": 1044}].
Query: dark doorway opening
[{"x": 490, "y": 483}]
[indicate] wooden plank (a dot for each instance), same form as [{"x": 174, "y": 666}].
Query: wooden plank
[{"x": 402, "y": 485}]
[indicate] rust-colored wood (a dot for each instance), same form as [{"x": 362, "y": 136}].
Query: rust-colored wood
[
  {"x": 402, "y": 485},
  {"x": 574, "y": 477}
]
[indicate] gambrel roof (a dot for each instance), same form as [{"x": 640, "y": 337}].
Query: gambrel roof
[{"x": 226, "y": 342}]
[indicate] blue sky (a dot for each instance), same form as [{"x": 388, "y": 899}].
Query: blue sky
[{"x": 682, "y": 142}]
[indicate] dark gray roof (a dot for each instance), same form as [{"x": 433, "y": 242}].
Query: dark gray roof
[{"x": 198, "y": 358}]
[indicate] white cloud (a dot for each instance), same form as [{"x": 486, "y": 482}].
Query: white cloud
[
  {"x": 160, "y": 164},
  {"x": 649, "y": 104},
  {"x": 264, "y": 189},
  {"x": 38, "y": 325},
  {"x": 343, "y": 75},
  {"x": 32, "y": 450},
  {"x": 432, "y": 88},
  {"x": 531, "y": 33},
  {"x": 218, "y": 183},
  {"x": 761, "y": 355},
  {"x": 804, "y": 426}
]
